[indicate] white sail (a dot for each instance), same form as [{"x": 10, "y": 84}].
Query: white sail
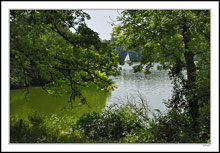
[{"x": 127, "y": 58}]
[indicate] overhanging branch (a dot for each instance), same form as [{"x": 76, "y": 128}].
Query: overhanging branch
[{"x": 66, "y": 38}]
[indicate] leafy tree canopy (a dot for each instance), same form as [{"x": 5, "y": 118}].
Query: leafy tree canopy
[
  {"x": 161, "y": 32},
  {"x": 44, "y": 49},
  {"x": 181, "y": 41}
]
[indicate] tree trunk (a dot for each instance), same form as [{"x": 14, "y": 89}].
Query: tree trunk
[
  {"x": 191, "y": 69},
  {"x": 191, "y": 78}
]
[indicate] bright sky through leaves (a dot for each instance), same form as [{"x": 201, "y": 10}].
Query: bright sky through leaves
[{"x": 101, "y": 21}]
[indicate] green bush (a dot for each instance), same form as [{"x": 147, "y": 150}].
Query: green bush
[
  {"x": 42, "y": 129},
  {"x": 172, "y": 127},
  {"x": 110, "y": 125},
  {"x": 22, "y": 131},
  {"x": 117, "y": 124},
  {"x": 204, "y": 121}
]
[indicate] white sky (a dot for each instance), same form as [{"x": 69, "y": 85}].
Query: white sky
[{"x": 101, "y": 20}]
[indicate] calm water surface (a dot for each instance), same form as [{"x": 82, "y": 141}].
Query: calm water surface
[
  {"x": 39, "y": 101},
  {"x": 154, "y": 88}
]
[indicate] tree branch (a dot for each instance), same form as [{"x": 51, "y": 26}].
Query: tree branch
[
  {"x": 66, "y": 38},
  {"x": 206, "y": 35}
]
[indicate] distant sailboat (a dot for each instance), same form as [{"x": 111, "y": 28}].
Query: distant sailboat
[{"x": 127, "y": 58}]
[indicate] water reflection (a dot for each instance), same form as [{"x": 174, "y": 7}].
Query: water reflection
[
  {"x": 39, "y": 101},
  {"x": 154, "y": 87}
]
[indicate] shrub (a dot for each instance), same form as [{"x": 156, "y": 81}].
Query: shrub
[
  {"x": 42, "y": 129},
  {"x": 117, "y": 124},
  {"x": 22, "y": 131},
  {"x": 110, "y": 125}
]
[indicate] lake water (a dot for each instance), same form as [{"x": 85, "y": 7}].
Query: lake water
[
  {"x": 37, "y": 100},
  {"x": 153, "y": 87}
]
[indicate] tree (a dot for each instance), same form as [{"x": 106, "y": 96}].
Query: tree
[
  {"x": 45, "y": 51},
  {"x": 181, "y": 40}
]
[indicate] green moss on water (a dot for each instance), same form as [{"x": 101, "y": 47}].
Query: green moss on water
[{"x": 37, "y": 100}]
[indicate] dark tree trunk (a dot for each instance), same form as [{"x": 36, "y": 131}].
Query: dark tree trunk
[{"x": 191, "y": 69}]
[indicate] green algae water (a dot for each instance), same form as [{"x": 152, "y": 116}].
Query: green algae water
[
  {"x": 37, "y": 100},
  {"x": 156, "y": 87}
]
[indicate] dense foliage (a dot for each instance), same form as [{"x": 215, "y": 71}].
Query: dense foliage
[
  {"x": 44, "y": 51},
  {"x": 181, "y": 41},
  {"x": 117, "y": 124}
]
